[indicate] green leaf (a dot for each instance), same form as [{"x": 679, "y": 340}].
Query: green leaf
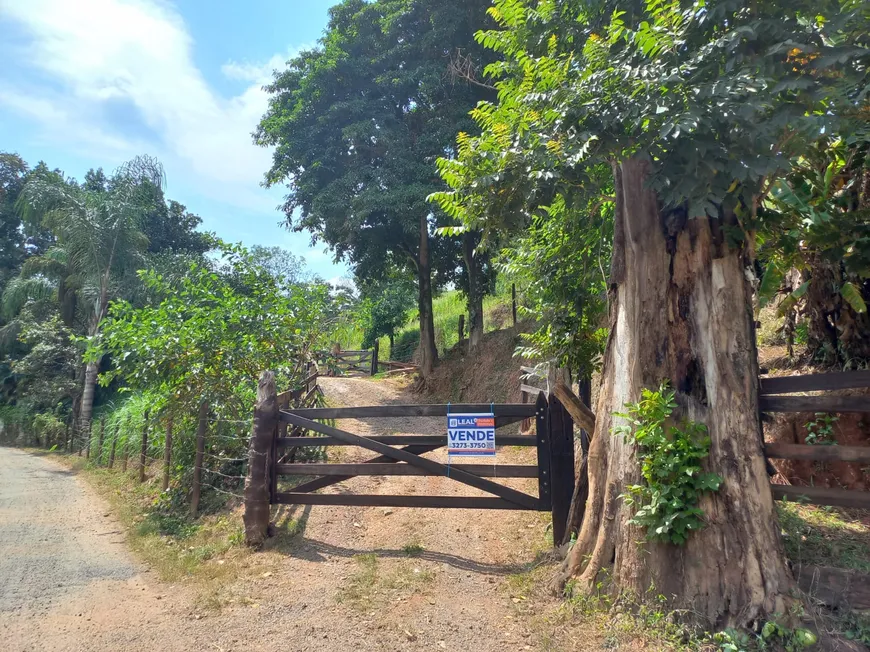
[
  {"x": 770, "y": 284},
  {"x": 853, "y": 297},
  {"x": 791, "y": 300}
]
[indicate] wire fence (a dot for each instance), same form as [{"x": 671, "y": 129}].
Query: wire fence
[{"x": 199, "y": 453}]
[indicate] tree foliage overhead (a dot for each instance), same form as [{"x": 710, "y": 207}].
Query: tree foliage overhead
[
  {"x": 13, "y": 171},
  {"x": 815, "y": 242},
  {"x": 384, "y": 306},
  {"x": 700, "y": 89},
  {"x": 358, "y": 122}
]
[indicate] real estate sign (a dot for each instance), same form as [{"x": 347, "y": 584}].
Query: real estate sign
[{"x": 471, "y": 434}]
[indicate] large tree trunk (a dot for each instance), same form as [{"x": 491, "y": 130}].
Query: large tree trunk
[
  {"x": 681, "y": 312},
  {"x": 428, "y": 351},
  {"x": 92, "y": 369},
  {"x": 836, "y": 333},
  {"x": 475, "y": 290}
]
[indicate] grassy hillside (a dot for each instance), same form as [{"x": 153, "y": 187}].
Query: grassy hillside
[{"x": 446, "y": 307}]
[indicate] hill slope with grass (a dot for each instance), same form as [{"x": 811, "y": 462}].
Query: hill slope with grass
[{"x": 447, "y": 308}]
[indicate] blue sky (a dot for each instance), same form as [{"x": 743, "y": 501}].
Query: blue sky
[{"x": 90, "y": 83}]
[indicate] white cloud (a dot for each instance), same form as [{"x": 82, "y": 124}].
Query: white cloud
[
  {"x": 253, "y": 72},
  {"x": 139, "y": 53}
]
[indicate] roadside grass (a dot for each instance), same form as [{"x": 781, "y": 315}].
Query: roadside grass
[
  {"x": 208, "y": 553},
  {"x": 413, "y": 548},
  {"x": 446, "y": 309},
  {"x": 370, "y": 586},
  {"x": 826, "y": 536}
]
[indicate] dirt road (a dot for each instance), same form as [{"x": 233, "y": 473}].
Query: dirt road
[{"x": 352, "y": 578}]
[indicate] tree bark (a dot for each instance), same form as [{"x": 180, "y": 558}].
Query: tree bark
[
  {"x": 99, "y": 457},
  {"x": 681, "y": 312},
  {"x": 167, "y": 456},
  {"x": 112, "y": 450},
  {"x": 92, "y": 369},
  {"x": 475, "y": 290},
  {"x": 143, "y": 452},
  {"x": 428, "y": 350}
]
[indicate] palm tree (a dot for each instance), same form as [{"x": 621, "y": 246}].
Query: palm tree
[{"x": 99, "y": 240}]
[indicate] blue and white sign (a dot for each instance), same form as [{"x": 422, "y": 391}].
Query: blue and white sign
[{"x": 471, "y": 434}]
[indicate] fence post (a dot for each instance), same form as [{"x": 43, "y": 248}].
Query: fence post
[
  {"x": 514, "y": 302},
  {"x": 112, "y": 450},
  {"x": 257, "y": 512},
  {"x": 375, "y": 358},
  {"x": 90, "y": 436},
  {"x": 144, "y": 451},
  {"x": 99, "y": 457},
  {"x": 67, "y": 440},
  {"x": 542, "y": 433},
  {"x": 561, "y": 428},
  {"x": 167, "y": 455},
  {"x": 200, "y": 453},
  {"x": 461, "y": 327},
  {"x": 125, "y": 449}
]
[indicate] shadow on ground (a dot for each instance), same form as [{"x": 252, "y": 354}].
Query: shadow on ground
[{"x": 290, "y": 522}]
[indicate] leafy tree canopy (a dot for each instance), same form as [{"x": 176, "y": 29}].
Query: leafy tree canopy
[
  {"x": 13, "y": 170},
  {"x": 702, "y": 90},
  {"x": 211, "y": 334},
  {"x": 358, "y": 122},
  {"x": 384, "y": 307}
]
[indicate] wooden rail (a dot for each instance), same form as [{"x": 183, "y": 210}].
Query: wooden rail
[
  {"x": 385, "y": 468},
  {"x": 440, "y": 502},
  {"x": 433, "y": 410},
  {"x": 821, "y": 496},
  {"x": 519, "y": 499},
  {"x": 398, "y": 440},
  {"x": 365, "y": 361},
  {"x": 818, "y": 453},
  {"x": 814, "y": 382},
  {"x": 771, "y": 400},
  {"x": 402, "y": 455}
]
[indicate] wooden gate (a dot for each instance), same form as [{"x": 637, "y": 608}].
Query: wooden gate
[
  {"x": 402, "y": 455},
  {"x": 364, "y": 362}
]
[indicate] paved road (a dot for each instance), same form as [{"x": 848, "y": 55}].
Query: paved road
[
  {"x": 51, "y": 540},
  {"x": 67, "y": 581}
]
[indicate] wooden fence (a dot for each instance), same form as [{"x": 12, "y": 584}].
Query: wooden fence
[
  {"x": 394, "y": 367},
  {"x": 774, "y": 397},
  {"x": 776, "y": 394},
  {"x": 365, "y": 361}
]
